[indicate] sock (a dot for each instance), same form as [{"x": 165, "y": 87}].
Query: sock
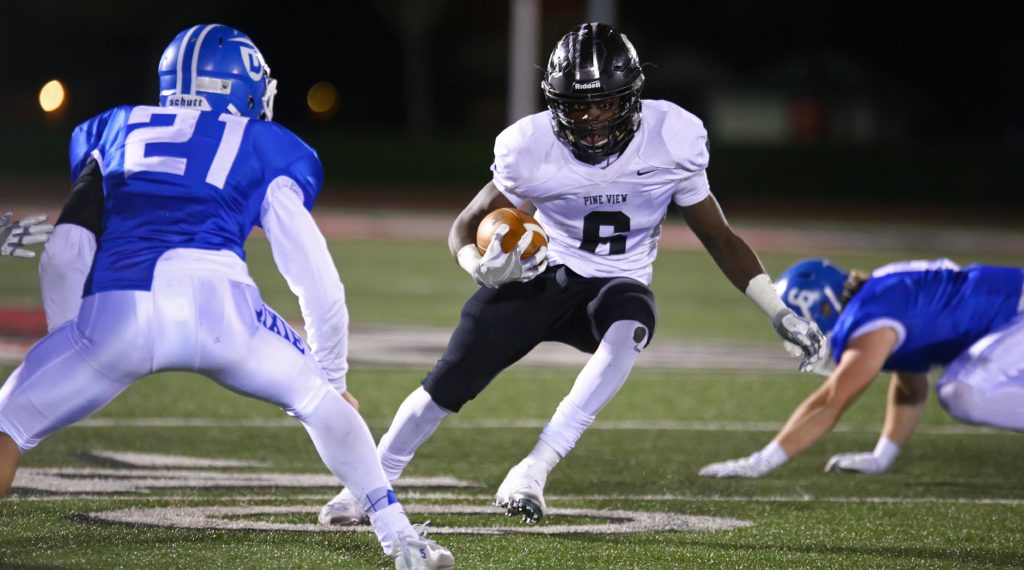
[
  {"x": 415, "y": 421},
  {"x": 597, "y": 383},
  {"x": 545, "y": 455},
  {"x": 773, "y": 455},
  {"x": 886, "y": 451},
  {"x": 346, "y": 447},
  {"x": 389, "y": 524}
]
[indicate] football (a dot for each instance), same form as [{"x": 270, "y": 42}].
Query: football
[{"x": 519, "y": 223}]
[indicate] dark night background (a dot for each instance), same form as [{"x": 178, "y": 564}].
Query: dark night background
[{"x": 865, "y": 109}]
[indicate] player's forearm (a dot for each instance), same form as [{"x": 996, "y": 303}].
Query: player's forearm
[
  {"x": 736, "y": 259},
  {"x": 463, "y": 230},
  {"x": 809, "y": 422}
]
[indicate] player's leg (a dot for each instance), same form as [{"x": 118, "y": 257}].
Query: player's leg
[
  {"x": 10, "y": 455},
  {"x": 249, "y": 349},
  {"x": 73, "y": 372},
  {"x": 497, "y": 327},
  {"x": 985, "y": 384},
  {"x": 622, "y": 315}
]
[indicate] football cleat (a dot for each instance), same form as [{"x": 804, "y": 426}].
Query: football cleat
[
  {"x": 343, "y": 510},
  {"x": 522, "y": 491},
  {"x": 422, "y": 553}
]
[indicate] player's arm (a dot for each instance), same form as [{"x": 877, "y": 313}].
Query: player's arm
[
  {"x": 741, "y": 266},
  {"x": 67, "y": 258},
  {"x": 817, "y": 415},
  {"x": 301, "y": 254},
  {"x": 907, "y": 395},
  {"x": 463, "y": 232},
  {"x": 494, "y": 267}
]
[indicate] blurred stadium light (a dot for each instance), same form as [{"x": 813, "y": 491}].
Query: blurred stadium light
[{"x": 52, "y": 96}]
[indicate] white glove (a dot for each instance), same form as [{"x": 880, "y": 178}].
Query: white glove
[
  {"x": 30, "y": 231},
  {"x": 823, "y": 367},
  {"x": 863, "y": 462},
  {"x": 873, "y": 463},
  {"x": 803, "y": 333},
  {"x": 495, "y": 267},
  {"x": 752, "y": 465}
]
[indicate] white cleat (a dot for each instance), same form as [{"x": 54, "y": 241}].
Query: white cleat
[
  {"x": 522, "y": 491},
  {"x": 422, "y": 553},
  {"x": 343, "y": 510}
]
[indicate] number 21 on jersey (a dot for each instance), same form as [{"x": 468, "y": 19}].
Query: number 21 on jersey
[{"x": 180, "y": 131}]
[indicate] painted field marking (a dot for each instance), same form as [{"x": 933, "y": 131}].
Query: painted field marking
[
  {"x": 455, "y": 423},
  {"x": 408, "y": 495},
  {"x": 615, "y": 521}
]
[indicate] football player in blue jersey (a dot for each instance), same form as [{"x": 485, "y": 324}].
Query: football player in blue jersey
[
  {"x": 145, "y": 272},
  {"x": 905, "y": 317},
  {"x": 14, "y": 236}
]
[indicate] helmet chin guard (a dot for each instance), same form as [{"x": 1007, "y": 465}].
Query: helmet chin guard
[
  {"x": 592, "y": 65},
  {"x": 213, "y": 67}
]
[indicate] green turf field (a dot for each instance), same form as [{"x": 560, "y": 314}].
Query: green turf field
[{"x": 954, "y": 498}]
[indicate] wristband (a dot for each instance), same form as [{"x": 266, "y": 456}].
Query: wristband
[
  {"x": 468, "y": 258},
  {"x": 762, "y": 292}
]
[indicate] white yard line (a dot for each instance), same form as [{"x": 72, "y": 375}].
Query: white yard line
[
  {"x": 615, "y": 425},
  {"x": 409, "y": 495}
]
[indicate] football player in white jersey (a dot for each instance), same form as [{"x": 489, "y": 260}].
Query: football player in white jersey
[
  {"x": 146, "y": 272},
  {"x": 14, "y": 236},
  {"x": 600, "y": 167}
]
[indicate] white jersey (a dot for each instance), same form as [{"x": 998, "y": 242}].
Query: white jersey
[{"x": 605, "y": 221}]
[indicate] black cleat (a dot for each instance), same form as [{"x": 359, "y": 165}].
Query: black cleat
[{"x": 530, "y": 510}]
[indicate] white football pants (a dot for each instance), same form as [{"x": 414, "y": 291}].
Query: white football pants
[
  {"x": 985, "y": 384},
  {"x": 201, "y": 322}
]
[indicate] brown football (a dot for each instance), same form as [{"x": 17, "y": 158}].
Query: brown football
[{"x": 518, "y": 223}]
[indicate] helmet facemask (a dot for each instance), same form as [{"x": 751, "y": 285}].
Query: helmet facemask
[{"x": 593, "y": 140}]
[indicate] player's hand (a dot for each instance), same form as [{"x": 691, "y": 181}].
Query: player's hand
[
  {"x": 498, "y": 267},
  {"x": 824, "y": 367},
  {"x": 15, "y": 235},
  {"x": 348, "y": 397},
  {"x": 753, "y": 465},
  {"x": 536, "y": 264},
  {"x": 863, "y": 462},
  {"x": 803, "y": 333}
]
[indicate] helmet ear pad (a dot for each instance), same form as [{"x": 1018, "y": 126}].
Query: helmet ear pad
[
  {"x": 217, "y": 68},
  {"x": 813, "y": 288},
  {"x": 591, "y": 64}
]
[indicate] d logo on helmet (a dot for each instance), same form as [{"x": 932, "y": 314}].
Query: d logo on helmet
[{"x": 253, "y": 62}]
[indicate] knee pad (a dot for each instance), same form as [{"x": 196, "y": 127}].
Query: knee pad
[
  {"x": 304, "y": 409},
  {"x": 623, "y": 300}
]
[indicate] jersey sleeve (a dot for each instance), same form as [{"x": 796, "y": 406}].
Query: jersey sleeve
[
  {"x": 87, "y": 140},
  {"x": 301, "y": 254},
  {"x": 518, "y": 157},
  {"x": 285, "y": 154},
  {"x": 687, "y": 142}
]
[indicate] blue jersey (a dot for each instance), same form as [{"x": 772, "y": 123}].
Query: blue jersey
[
  {"x": 938, "y": 309},
  {"x": 182, "y": 178}
]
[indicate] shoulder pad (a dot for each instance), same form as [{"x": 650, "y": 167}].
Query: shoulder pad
[
  {"x": 526, "y": 152},
  {"x": 675, "y": 138}
]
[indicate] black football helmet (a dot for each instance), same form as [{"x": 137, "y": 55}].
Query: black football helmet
[{"x": 594, "y": 66}]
